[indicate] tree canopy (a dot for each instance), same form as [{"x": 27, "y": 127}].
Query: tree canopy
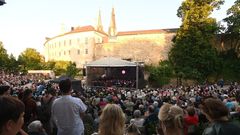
[
  {"x": 192, "y": 53},
  {"x": 3, "y": 56},
  {"x": 31, "y": 59},
  {"x": 233, "y": 26}
]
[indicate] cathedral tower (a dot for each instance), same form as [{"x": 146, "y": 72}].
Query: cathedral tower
[
  {"x": 99, "y": 23},
  {"x": 112, "y": 28}
]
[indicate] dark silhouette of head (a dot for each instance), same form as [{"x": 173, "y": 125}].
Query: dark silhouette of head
[{"x": 65, "y": 86}]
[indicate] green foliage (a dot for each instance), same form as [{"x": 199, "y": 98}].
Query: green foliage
[
  {"x": 233, "y": 26},
  {"x": 3, "y": 57},
  {"x": 161, "y": 74},
  {"x": 12, "y": 65},
  {"x": 72, "y": 70},
  {"x": 30, "y": 59},
  {"x": 192, "y": 53},
  {"x": 50, "y": 65},
  {"x": 60, "y": 67},
  {"x": 230, "y": 66}
]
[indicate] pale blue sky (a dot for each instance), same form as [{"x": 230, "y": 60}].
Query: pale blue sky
[{"x": 26, "y": 23}]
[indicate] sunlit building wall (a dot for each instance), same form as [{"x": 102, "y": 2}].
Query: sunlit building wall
[{"x": 85, "y": 44}]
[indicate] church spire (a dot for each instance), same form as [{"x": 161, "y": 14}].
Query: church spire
[
  {"x": 99, "y": 23},
  {"x": 112, "y": 28}
]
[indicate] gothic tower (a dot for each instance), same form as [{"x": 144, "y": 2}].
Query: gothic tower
[
  {"x": 99, "y": 23},
  {"x": 112, "y": 28}
]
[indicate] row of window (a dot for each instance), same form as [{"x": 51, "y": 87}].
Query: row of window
[
  {"x": 67, "y": 53},
  {"x": 70, "y": 42},
  {"x": 66, "y": 42}
]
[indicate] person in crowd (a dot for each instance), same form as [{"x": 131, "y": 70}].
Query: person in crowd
[
  {"x": 67, "y": 111},
  {"x": 150, "y": 121},
  {"x": 112, "y": 121},
  {"x": 30, "y": 107},
  {"x": 171, "y": 120},
  {"x": 230, "y": 105},
  {"x": 137, "y": 120},
  {"x": 11, "y": 114},
  {"x": 44, "y": 110},
  {"x": 132, "y": 129},
  {"x": 217, "y": 114},
  {"x": 36, "y": 128},
  {"x": 191, "y": 121},
  {"x": 4, "y": 90}
]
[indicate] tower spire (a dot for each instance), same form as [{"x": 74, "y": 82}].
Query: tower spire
[
  {"x": 99, "y": 23},
  {"x": 112, "y": 28}
]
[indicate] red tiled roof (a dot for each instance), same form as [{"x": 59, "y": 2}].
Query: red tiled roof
[
  {"x": 78, "y": 30},
  {"x": 124, "y": 33},
  {"x": 83, "y": 29}
]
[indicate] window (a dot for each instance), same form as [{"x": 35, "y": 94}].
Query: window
[
  {"x": 78, "y": 40},
  {"x": 59, "y": 53},
  {"x": 86, "y": 51},
  {"x": 64, "y": 43},
  {"x": 69, "y": 52},
  {"x": 86, "y": 40},
  {"x": 70, "y": 42},
  {"x": 78, "y": 52},
  {"x": 64, "y": 53}
]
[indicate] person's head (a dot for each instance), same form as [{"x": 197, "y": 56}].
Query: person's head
[
  {"x": 35, "y": 126},
  {"x": 112, "y": 120},
  {"x": 190, "y": 111},
  {"x": 51, "y": 91},
  {"x": 11, "y": 115},
  {"x": 171, "y": 119},
  {"x": 65, "y": 86},
  {"x": 137, "y": 113},
  {"x": 151, "y": 109},
  {"x": 27, "y": 94},
  {"x": 214, "y": 109},
  {"x": 4, "y": 90}
]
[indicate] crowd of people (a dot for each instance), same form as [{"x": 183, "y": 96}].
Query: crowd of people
[
  {"x": 31, "y": 105},
  {"x": 114, "y": 82}
]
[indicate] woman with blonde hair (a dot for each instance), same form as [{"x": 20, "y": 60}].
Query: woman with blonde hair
[
  {"x": 171, "y": 120},
  {"x": 112, "y": 121}
]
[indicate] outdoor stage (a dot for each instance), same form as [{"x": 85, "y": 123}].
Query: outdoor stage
[{"x": 108, "y": 72}]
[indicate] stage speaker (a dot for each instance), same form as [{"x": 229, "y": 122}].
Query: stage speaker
[{"x": 84, "y": 71}]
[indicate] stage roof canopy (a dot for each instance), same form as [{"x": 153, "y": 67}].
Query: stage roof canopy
[{"x": 111, "y": 62}]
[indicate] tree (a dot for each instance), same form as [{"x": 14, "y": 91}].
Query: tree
[
  {"x": 192, "y": 53},
  {"x": 50, "y": 65},
  {"x": 12, "y": 65},
  {"x": 72, "y": 70},
  {"x": 60, "y": 67},
  {"x": 31, "y": 59},
  {"x": 3, "y": 57},
  {"x": 233, "y": 26},
  {"x": 161, "y": 74}
]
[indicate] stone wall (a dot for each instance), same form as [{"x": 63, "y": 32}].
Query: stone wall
[{"x": 150, "y": 48}]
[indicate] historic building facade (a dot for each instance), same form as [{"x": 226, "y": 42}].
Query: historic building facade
[{"x": 85, "y": 44}]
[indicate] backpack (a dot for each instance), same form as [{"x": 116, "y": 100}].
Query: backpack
[{"x": 44, "y": 111}]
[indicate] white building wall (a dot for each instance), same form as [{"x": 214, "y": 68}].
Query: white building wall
[{"x": 75, "y": 47}]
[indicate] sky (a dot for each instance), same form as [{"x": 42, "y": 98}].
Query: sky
[{"x": 26, "y": 23}]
